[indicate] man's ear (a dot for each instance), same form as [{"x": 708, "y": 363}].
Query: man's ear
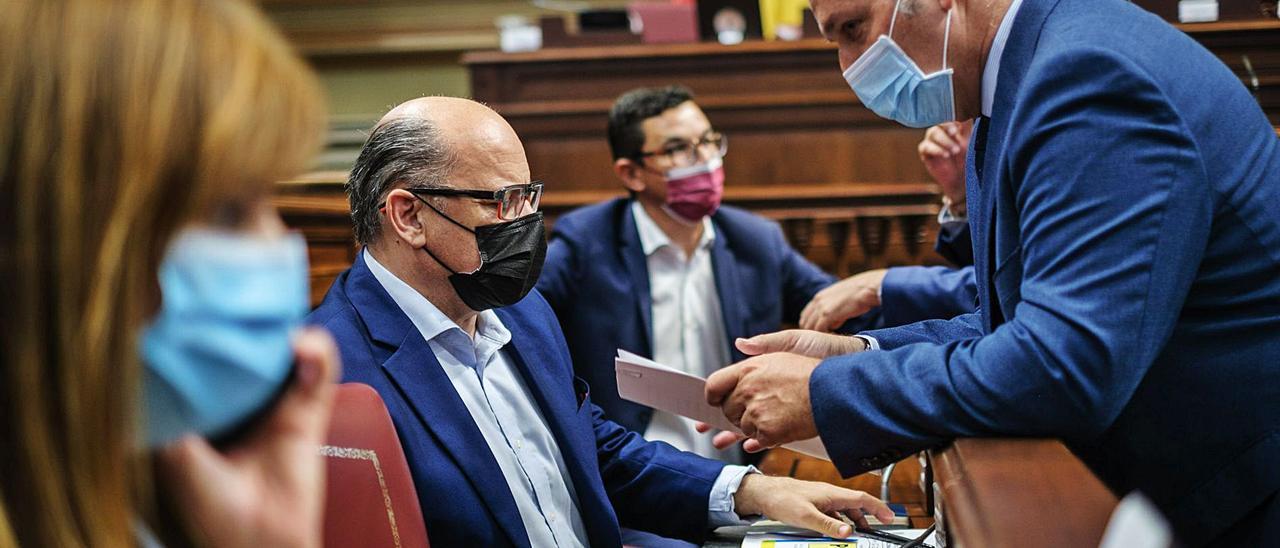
[
  {"x": 401, "y": 211},
  {"x": 628, "y": 171}
]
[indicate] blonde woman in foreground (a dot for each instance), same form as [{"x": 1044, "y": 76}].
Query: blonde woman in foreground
[{"x": 138, "y": 144}]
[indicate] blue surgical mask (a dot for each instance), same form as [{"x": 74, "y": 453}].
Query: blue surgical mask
[
  {"x": 890, "y": 84},
  {"x": 219, "y": 352}
]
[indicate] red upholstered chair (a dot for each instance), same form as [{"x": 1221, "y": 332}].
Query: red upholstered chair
[{"x": 370, "y": 499}]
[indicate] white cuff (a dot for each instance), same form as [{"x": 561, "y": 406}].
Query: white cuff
[
  {"x": 946, "y": 216},
  {"x": 872, "y": 343},
  {"x": 720, "y": 511}
]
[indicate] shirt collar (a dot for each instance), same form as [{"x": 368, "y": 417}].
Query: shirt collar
[
  {"x": 429, "y": 320},
  {"x": 652, "y": 238},
  {"x": 991, "y": 72}
]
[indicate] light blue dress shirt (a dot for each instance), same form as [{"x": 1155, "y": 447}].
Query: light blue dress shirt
[{"x": 511, "y": 422}]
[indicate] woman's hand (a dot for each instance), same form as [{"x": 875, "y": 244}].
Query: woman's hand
[{"x": 268, "y": 489}]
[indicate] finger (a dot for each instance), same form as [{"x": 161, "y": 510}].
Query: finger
[
  {"x": 812, "y": 518},
  {"x": 721, "y": 383},
  {"x": 733, "y": 408},
  {"x": 947, "y": 142},
  {"x": 850, "y": 500},
  {"x": 318, "y": 361},
  {"x": 753, "y": 445},
  {"x": 305, "y": 407},
  {"x": 932, "y": 151},
  {"x": 818, "y": 322},
  {"x": 701, "y": 427},
  {"x": 194, "y": 468},
  {"x": 780, "y": 341},
  {"x": 726, "y": 439},
  {"x": 748, "y": 424},
  {"x": 807, "y": 315}
]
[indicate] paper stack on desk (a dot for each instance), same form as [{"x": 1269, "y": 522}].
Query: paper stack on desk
[{"x": 650, "y": 383}]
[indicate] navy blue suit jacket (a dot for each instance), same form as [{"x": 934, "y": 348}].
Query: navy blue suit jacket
[
  {"x": 1127, "y": 254},
  {"x": 596, "y": 278},
  {"x": 618, "y": 476},
  {"x": 910, "y": 294},
  {"x": 914, "y": 293}
]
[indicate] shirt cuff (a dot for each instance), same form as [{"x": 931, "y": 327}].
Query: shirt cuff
[
  {"x": 946, "y": 216},
  {"x": 720, "y": 510},
  {"x": 872, "y": 343}
]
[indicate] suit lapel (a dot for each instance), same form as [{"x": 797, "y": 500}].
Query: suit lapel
[
  {"x": 725, "y": 266},
  {"x": 553, "y": 393},
  {"x": 638, "y": 269},
  {"x": 424, "y": 385},
  {"x": 981, "y": 216},
  {"x": 1019, "y": 50}
]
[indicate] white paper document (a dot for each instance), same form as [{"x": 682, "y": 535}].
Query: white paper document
[{"x": 650, "y": 383}]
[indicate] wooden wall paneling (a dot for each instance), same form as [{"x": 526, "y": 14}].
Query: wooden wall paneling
[
  {"x": 1260, "y": 40},
  {"x": 801, "y": 148},
  {"x": 809, "y": 214}
]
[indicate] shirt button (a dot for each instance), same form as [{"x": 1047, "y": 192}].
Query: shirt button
[{"x": 519, "y": 444}]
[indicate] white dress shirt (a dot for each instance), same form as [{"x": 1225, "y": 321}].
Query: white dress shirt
[
  {"x": 513, "y": 426},
  {"x": 688, "y": 326}
]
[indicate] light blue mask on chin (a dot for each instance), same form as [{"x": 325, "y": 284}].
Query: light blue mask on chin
[
  {"x": 220, "y": 352},
  {"x": 890, "y": 84}
]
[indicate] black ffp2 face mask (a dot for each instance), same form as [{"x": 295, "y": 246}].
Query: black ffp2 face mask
[{"x": 511, "y": 256}]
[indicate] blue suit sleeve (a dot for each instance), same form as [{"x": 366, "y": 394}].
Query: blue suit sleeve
[
  {"x": 1112, "y": 212},
  {"x": 910, "y": 294},
  {"x": 964, "y": 326},
  {"x": 653, "y": 486}
]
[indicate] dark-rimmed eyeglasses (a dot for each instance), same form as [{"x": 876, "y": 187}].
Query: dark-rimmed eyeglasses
[
  {"x": 512, "y": 201},
  {"x": 687, "y": 153}
]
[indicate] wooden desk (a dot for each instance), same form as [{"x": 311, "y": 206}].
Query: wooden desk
[
  {"x": 987, "y": 492},
  {"x": 1014, "y": 493}
]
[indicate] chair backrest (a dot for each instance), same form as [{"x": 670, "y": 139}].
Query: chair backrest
[{"x": 370, "y": 498}]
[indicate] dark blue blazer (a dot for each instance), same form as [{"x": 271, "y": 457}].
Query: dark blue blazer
[
  {"x": 596, "y": 278},
  {"x": 618, "y": 477},
  {"x": 1123, "y": 200},
  {"x": 910, "y": 294}
]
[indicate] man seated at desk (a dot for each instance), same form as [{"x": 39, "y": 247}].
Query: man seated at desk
[
  {"x": 671, "y": 274},
  {"x": 438, "y": 315}
]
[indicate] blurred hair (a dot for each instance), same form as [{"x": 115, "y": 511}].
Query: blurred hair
[
  {"x": 626, "y": 136},
  {"x": 121, "y": 122}
]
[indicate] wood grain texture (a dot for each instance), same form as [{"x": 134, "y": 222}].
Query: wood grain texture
[{"x": 1007, "y": 493}]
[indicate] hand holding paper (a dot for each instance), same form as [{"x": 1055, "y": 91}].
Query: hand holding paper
[
  {"x": 767, "y": 397},
  {"x": 649, "y": 383}
]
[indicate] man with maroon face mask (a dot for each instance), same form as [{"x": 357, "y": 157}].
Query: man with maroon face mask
[{"x": 670, "y": 273}]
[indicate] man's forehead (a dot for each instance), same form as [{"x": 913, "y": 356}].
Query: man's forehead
[
  {"x": 681, "y": 121},
  {"x": 483, "y": 168},
  {"x": 831, "y": 13}
]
